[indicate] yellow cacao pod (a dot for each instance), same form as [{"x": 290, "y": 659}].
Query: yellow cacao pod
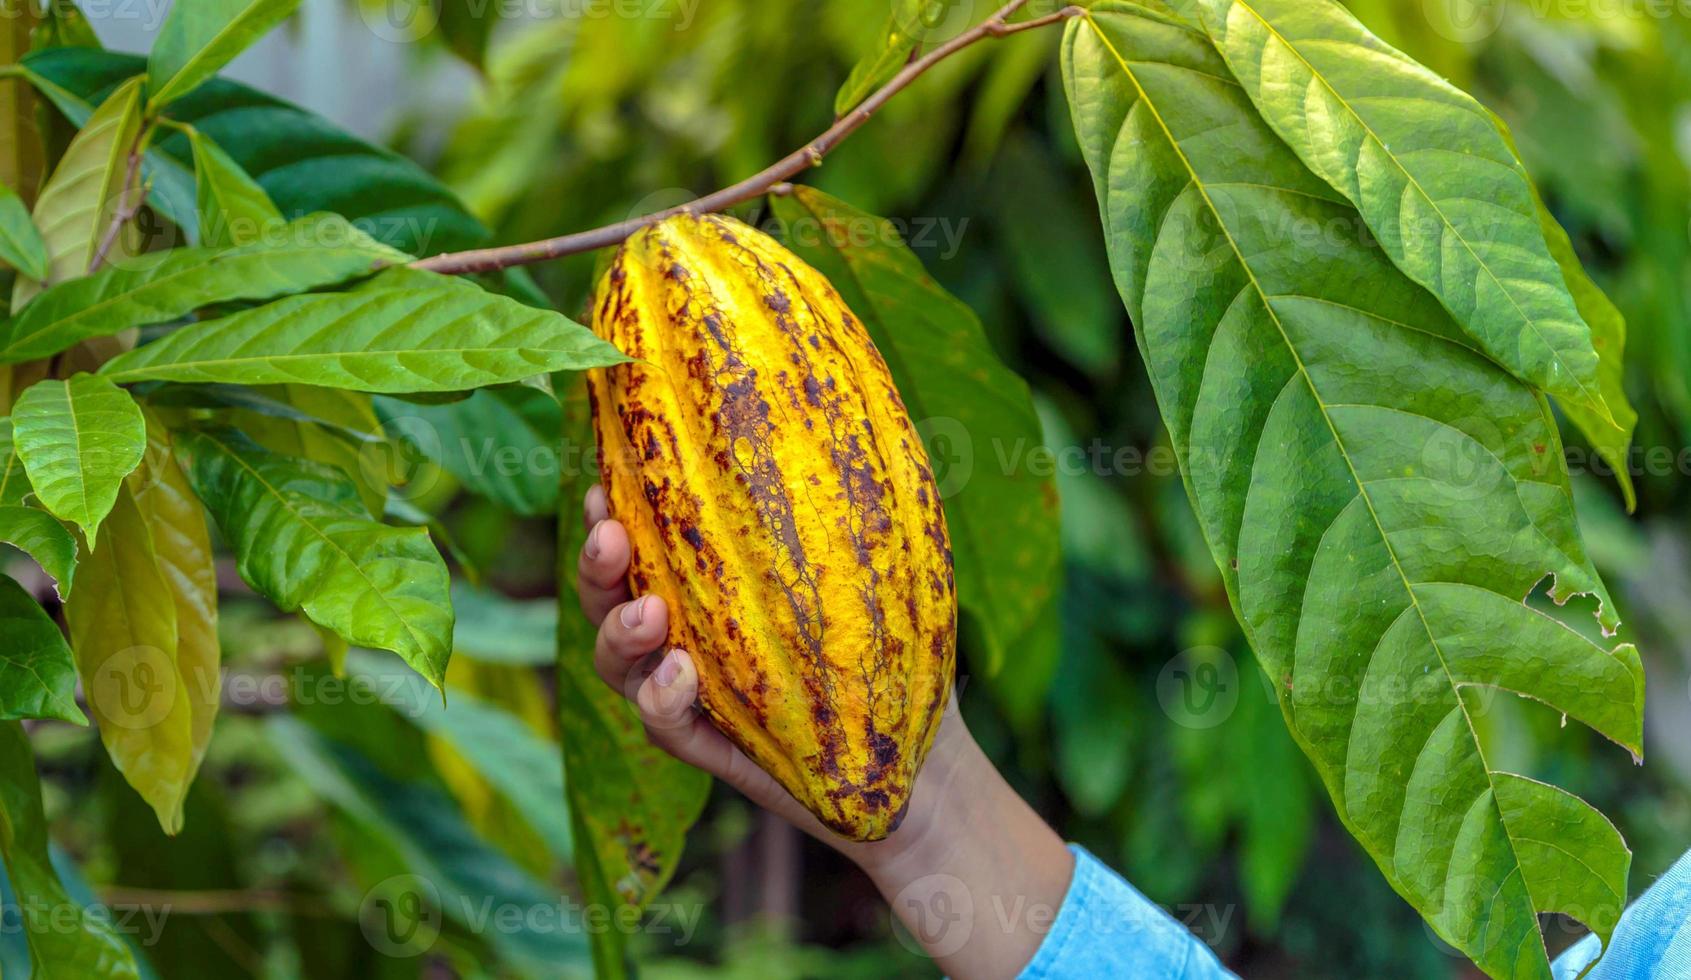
[{"x": 778, "y": 498}]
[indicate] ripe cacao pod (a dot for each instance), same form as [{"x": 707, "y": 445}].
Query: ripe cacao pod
[{"x": 777, "y": 496}]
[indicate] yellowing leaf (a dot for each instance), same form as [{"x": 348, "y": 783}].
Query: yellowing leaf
[{"x": 124, "y": 633}]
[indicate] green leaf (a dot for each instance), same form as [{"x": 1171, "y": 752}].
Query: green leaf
[
  {"x": 1380, "y": 497},
  {"x": 1431, "y": 175},
  {"x": 449, "y": 867},
  {"x": 78, "y": 439},
  {"x": 302, "y": 161},
  {"x": 317, "y": 250},
  {"x": 328, "y": 425},
  {"x": 77, "y": 206},
  {"x": 632, "y": 802},
  {"x": 302, "y": 537},
  {"x": 66, "y": 940},
  {"x": 500, "y": 442},
  {"x": 21, "y": 246},
  {"x": 233, "y": 209},
  {"x": 14, "y": 482},
  {"x": 62, "y": 24},
  {"x": 411, "y": 332},
  {"x": 37, "y": 534},
  {"x": 123, "y": 630},
  {"x": 37, "y": 674},
  {"x": 182, "y": 545},
  {"x": 897, "y": 41},
  {"x": 199, "y": 37},
  {"x": 973, "y": 412},
  {"x": 502, "y": 747}
]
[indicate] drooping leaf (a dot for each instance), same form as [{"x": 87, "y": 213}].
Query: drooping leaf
[
  {"x": 123, "y": 631},
  {"x": 1379, "y": 496},
  {"x": 67, "y": 941},
  {"x": 37, "y": 674},
  {"x": 89, "y": 185},
  {"x": 302, "y": 161},
  {"x": 500, "y": 442},
  {"x": 450, "y": 868},
  {"x": 302, "y": 537},
  {"x": 1430, "y": 174},
  {"x": 182, "y": 544},
  {"x": 21, "y": 246},
  {"x": 974, "y": 413},
  {"x": 234, "y": 210},
  {"x": 78, "y": 439},
  {"x": 503, "y": 749},
  {"x": 38, "y": 535},
  {"x": 631, "y": 802},
  {"x": 411, "y": 332},
  {"x": 317, "y": 250},
  {"x": 199, "y": 37}
]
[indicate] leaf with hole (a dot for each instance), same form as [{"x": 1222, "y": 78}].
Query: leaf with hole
[{"x": 1380, "y": 497}]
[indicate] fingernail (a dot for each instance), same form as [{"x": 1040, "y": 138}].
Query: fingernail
[
  {"x": 591, "y": 548},
  {"x": 633, "y": 613},
  {"x": 668, "y": 670}
]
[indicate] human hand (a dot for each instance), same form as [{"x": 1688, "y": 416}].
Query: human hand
[{"x": 965, "y": 828}]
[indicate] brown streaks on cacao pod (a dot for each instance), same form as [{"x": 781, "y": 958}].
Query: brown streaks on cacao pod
[{"x": 778, "y": 497}]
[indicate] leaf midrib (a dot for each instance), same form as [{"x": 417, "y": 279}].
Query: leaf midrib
[
  {"x": 1362, "y": 491},
  {"x": 1596, "y": 401}
]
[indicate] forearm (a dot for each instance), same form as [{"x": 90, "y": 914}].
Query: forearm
[{"x": 981, "y": 885}]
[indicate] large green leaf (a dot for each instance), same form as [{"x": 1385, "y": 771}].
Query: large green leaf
[
  {"x": 302, "y": 537},
  {"x": 450, "y": 868},
  {"x": 21, "y": 246},
  {"x": 37, "y": 534},
  {"x": 199, "y": 37},
  {"x": 77, "y": 206},
  {"x": 233, "y": 208},
  {"x": 501, "y": 746},
  {"x": 78, "y": 439},
  {"x": 302, "y": 161},
  {"x": 317, "y": 250},
  {"x": 974, "y": 412},
  {"x": 1430, "y": 173},
  {"x": 631, "y": 802},
  {"x": 66, "y": 940},
  {"x": 37, "y": 674},
  {"x": 408, "y": 331},
  {"x": 1379, "y": 496},
  {"x": 123, "y": 630},
  {"x": 501, "y": 442}
]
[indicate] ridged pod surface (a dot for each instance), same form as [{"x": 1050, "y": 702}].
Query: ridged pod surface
[{"x": 777, "y": 496}]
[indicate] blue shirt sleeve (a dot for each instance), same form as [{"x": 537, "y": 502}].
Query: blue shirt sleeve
[{"x": 1106, "y": 928}]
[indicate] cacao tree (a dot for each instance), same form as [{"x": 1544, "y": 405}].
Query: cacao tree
[{"x": 240, "y": 339}]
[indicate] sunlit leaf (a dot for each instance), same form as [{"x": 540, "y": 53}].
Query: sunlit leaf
[
  {"x": 66, "y": 940},
  {"x": 199, "y": 37},
  {"x": 1380, "y": 497},
  {"x": 182, "y": 544},
  {"x": 38, "y": 535},
  {"x": 414, "y": 332},
  {"x": 123, "y": 631},
  {"x": 317, "y": 250},
  {"x": 37, "y": 674},
  {"x": 975, "y": 414},
  {"x": 76, "y": 208},
  {"x": 302, "y": 537},
  {"x": 78, "y": 439},
  {"x": 21, "y": 246},
  {"x": 1426, "y": 167}
]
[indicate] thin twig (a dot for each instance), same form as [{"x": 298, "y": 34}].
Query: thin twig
[
  {"x": 126, "y": 210},
  {"x": 789, "y": 166}
]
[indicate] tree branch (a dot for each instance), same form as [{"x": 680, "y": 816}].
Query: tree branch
[
  {"x": 777, "y": 173},
  {"x": 126, "y": 209}
]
